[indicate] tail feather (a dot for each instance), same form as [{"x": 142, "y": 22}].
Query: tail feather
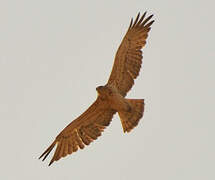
[{"x": 131, "y": 118}]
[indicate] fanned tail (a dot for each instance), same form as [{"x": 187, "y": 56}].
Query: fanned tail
[{"x": 130, "y": 119}]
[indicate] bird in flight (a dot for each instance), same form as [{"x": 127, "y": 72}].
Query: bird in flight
[{"x": 111, "y": 97}]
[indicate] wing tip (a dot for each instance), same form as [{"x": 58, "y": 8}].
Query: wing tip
[
  {"x": 140, "y": 21},
  {"x": 131, "y": 23},
  {"x": 47, "y": 151},
  {"x": 136, "y": 20},
  {"x": 51, "y": 162},
  {"x": 145, "y": 22}
]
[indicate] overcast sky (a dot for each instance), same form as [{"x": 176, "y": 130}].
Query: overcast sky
[{"x": 53, "y": 54}]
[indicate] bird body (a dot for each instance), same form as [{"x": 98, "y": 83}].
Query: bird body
[{"x": 111, "y": 97}]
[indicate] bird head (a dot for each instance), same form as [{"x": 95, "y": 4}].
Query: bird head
[
  {"x": 100, "y": 89},
  {"x": 103, "y": 91}
]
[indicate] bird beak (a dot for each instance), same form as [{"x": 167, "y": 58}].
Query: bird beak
[{"x": 97, "y": 91}]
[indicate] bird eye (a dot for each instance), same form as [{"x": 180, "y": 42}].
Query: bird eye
[{"x": 109, "y": 92}]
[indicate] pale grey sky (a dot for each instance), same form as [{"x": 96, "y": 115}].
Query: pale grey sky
[{"x": 53, "y": 54}]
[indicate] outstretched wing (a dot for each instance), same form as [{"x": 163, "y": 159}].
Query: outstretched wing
[
  {"x": 82, "y": 131},
  {"x": 128, "y": 58}
]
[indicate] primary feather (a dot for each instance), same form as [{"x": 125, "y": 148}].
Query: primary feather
[{"x": 128, "y": 58}]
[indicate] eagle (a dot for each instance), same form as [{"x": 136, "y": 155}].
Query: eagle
[{"x": 111, "y": 97}]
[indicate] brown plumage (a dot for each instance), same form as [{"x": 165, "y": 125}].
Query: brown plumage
[{"x": 90, "y": 125}]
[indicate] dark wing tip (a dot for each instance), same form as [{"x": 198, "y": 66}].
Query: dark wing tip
[
  {"x": 146, "y": 20},
  {"x": 47, "y": 151},
  {"x": 149, "y": 24},
  {"x": 136, "y": 20},
  {"x": 131, "y": 23},
  {"x": 51, "y": 162},
  {"x": 141, "y": 21}
]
